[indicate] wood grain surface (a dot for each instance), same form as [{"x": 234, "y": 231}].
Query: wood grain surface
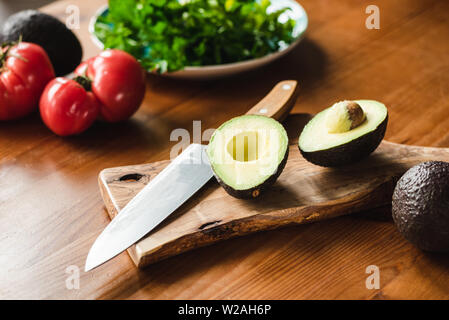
[
  {"x": 304, "y": 193},
  {"x": 51, "y": 210}
]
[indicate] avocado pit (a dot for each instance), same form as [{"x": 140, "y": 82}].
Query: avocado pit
[{"x": 344, "y": 116}]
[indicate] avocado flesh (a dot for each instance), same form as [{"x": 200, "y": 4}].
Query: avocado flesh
[
  {"x": 60, "y": 43},
  {"x": 323, "y": 148},
  {"x": 420, "y": 206},
  {"x": 247, "y": 154}
]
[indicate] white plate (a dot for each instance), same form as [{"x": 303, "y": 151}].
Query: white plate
[{"x": 296, "y": 13}]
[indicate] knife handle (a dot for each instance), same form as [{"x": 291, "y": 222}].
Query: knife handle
[{"x": 279, "y": 101}]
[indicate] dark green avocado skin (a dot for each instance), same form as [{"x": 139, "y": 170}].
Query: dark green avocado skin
[
  {"x": 421, "y": 206},
  {"x": 60, "y": 43},
  {"x": 350, "y": 152},
  {"x": 248, "y": 193}
]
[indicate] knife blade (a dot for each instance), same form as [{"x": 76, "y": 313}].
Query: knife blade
[{"x": 182, "y": 178}]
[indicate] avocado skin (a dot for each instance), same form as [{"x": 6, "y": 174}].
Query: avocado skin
[
  {"x": 60, "y": 43},
  {"x": 350, "y": 152},
  {"x": 421, "y": 206},
  {"x": 248, "y": 193}
]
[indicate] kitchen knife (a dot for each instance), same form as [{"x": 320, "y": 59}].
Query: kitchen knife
[{"x": 174, "y": 185}]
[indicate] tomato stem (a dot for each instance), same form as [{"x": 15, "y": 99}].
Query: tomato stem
[
  {"x": 4, "y": 52},
  {"x": 84, "y": 81}
]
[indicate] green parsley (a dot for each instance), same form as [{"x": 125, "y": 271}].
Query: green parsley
[{"x": 168, "y": 35}]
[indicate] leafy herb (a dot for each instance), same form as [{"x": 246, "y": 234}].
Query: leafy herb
[{"x": 168, "y": 35}]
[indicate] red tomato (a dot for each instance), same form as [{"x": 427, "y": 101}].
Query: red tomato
[
  {"x": 118, "y": 81},
  {"x": 67, "y": 108},
  {"x": 25, "y": 69}
]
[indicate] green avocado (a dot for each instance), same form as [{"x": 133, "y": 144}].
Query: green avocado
[
  {"x": 344, "y": 133},
  {"x": 420, "y": 206},
  {"x": 60, "y": 43},
  {"x": 247, "y": 154}
]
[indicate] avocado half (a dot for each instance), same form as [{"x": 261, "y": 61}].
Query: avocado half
[
  {"x": 247, "y": 154},
  {"x": 330, "y": 148},
  {"x": 60, "y": 43},
  {"x": 420, "y": 206}
]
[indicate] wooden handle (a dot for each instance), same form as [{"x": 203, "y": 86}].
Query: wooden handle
[{"x": 279, "y": 101}]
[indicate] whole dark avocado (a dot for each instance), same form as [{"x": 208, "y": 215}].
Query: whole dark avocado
[
  {"x": 60, "y": 43},
  {"x": 421, "y": 206}
]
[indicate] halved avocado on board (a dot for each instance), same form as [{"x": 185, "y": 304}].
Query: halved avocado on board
[
  {"x": 247, "y": 154},
  {"x": 344, "y": 133}
]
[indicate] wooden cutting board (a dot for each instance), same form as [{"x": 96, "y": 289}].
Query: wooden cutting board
[{"x": 303, "y": 193}]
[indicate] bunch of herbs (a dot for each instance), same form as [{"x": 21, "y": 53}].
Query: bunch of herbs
[{"x": 168, "y": 35}]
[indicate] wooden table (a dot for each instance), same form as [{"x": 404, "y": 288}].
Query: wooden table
[{"x": 51, "y": 210}]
